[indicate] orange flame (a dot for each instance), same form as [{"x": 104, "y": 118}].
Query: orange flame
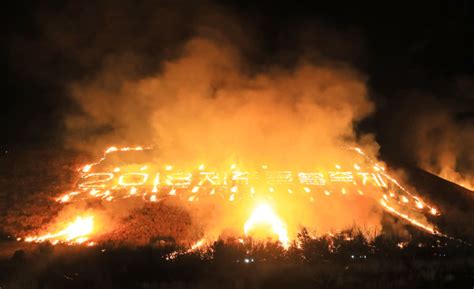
[
  {"x": 264, "y": 215},
  {"x": 76, "y": 232}
]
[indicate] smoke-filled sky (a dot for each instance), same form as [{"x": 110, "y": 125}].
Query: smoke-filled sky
[{"x": 296, "y": 76}]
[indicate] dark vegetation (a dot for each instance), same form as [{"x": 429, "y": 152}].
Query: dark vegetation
[{"x": 346, "y": 260}]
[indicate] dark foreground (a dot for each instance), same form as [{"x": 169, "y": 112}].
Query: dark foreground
[{"x": 344, "y": 261}]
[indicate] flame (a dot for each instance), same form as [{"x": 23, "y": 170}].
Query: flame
[
  {"x": 264, "y": 214},
  {"x": 155, "y": 182},
  {"x": 414, "y": 222},
  {"x": 76, "y": 232},
  {"x": 197, "y": 245},
  {"x": 86, "y": 168},
  {"x": 194, "y": 247}
]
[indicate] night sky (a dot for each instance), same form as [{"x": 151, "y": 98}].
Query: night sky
[{"x": 418, "y": 58}]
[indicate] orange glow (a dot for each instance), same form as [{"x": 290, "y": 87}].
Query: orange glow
[
  {"x": 264, "y": 215},
  {"x": 76, "y": 232}
]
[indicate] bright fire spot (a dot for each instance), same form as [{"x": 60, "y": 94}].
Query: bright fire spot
[
  {"x": 64, "y": 199},
  {"x": 87, "y": 168},
  {"x": 419, "y": 205},
  {"x": 402, "y": 245},
  {"x": 264, "y": 215},
  {"x": 197, "y": 245},
  {"x": 111, "y": 149},
  {"x": 76, "y": 232}
]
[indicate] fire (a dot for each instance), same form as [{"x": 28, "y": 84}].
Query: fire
[
  {"x": 76, "y": 232},
  {"x": 414, "y": 222},
  {"x": 264, "y": 215},
  {"x": 194, "y": 247},
  {"x": 86, "y": 168},
  {"x": 197, "y": 245},
  {"x": 239, "y": 186}
]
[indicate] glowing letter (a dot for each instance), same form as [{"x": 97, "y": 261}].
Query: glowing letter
[
  {"x": 312, "y": 179},
  {"x": 179, "y": 180},
  {"x": 241, "y": 177},
  {"x": 279, "y": 177},
  {"x": 341, "y": 177},
  {"x": 370, "y": 177},
  {"x": 209, "y": 177},
  {"x": 143, "y": 176},
  {"x": 98, "y": 180}
]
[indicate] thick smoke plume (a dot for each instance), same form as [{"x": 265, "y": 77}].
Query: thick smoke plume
[{"x": 203, "y": 106}]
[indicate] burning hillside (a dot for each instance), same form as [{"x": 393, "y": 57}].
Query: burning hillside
[
  {"x": 236, "y": 153},
  {"x": 236, "y": 201},
  {"x": 237, "y": 144}
]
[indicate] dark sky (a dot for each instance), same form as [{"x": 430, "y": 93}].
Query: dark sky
[{"x": 415, "y": 56}]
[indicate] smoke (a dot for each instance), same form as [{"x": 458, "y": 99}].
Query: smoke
[
  {"x": 438, "y": 134},
  {"x": 204, "y": 107},
  {"x": 449, "y": 153}
]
